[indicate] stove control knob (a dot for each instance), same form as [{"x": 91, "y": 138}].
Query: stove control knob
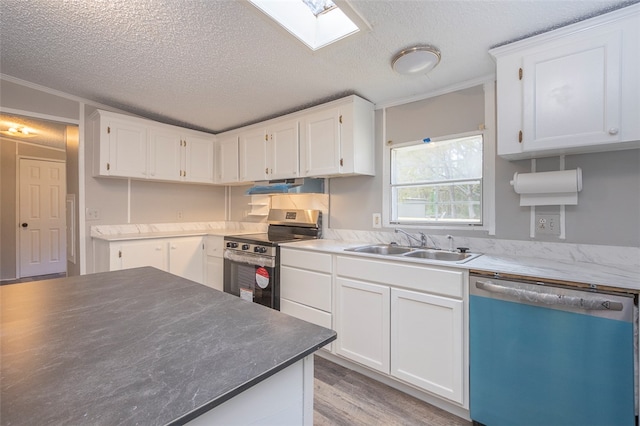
[
  {"x": 245, "y": 247},
  {"x": 232, "y": 245},
  {"x": 260, "y": 249}
]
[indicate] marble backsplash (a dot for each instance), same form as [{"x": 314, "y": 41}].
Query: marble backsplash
[{"x": 564, "y": 252}]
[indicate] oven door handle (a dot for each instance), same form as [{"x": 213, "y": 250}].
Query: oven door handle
[
  {"x": 250, "y": 259},
  {"x": 591, "y": 303}
]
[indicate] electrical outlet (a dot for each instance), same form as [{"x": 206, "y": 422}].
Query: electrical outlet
[
  {"x": 92, "y": 214},
  {"x": 547, "y": 224},
  {"x": 377, "y": 220},
  {"x": 180, "y": 214}
]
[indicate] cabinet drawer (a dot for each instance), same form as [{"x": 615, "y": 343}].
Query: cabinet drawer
[
  {"x": 320, "y": 262},
  {"x": 442, "y": 281},
  {"x": 305, "y": 313},
  {"x": 306, "y": 287}
]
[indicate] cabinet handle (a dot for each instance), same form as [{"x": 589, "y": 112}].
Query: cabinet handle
[
  {"x": 119, "y": 253},
  {"x": 613, "y": 131},
  {"x": 266, "y": 170},
  {"x": 520, "y": 136},
  {"x": 520, "y": 74}
]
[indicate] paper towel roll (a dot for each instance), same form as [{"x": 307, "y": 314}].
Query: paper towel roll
[{"x": 548, "y": 188}]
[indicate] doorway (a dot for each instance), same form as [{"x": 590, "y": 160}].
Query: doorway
[{"x": 38, "y": 225}]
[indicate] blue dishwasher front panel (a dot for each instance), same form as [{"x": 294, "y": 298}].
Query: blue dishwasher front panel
[{"x": 531, "y": 365}]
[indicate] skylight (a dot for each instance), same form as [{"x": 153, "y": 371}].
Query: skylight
[{"x": 317, "y": 23}]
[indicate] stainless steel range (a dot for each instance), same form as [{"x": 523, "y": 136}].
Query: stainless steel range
[{"x": 252, "y": 261}]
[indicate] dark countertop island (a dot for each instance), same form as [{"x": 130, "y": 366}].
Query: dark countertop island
[{"x": 137, "y": 346}]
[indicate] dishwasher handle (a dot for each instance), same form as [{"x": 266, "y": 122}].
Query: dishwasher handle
[{"x": 591, "y": 303}]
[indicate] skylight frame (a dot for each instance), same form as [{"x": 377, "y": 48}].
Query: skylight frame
[{"x": 314, "y": 31}]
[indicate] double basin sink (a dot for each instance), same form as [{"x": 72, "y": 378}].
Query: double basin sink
[{"x": 415, "y": 253}]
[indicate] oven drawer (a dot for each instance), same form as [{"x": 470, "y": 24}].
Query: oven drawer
[{"x": 306, "y": 287}]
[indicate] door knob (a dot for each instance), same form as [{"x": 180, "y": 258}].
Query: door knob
[{"x": 24, "y": 225}]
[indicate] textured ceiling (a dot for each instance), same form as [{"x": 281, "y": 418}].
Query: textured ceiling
[{"x": 215, "y": 65}]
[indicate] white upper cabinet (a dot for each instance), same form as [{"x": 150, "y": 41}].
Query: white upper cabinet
[
  {"x": 282, "y": 151},
  {"x": 198, "y": 159},
  {"x": 165, "y": 155},
  {"x": 271, "y": 152},
  {"x": 253, "y": 155},
  {"x": 227, "y": 168},
  {"x": 338, "y": 139},
  {"x": 571, "y": 90},
  {"x": 122, "y": 147},
  {"x": 136, "y": 148}
]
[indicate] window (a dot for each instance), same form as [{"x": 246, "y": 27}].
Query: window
[{"x": 437, "y": 182}]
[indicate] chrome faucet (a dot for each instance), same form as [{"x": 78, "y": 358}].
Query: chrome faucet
[{"x": 422, "y": 240}]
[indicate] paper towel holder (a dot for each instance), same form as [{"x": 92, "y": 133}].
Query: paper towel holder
[{"x": 548, "y": 188}]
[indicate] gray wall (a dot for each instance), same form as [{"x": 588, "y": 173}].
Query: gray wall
[{"x": 608, "y": 209}]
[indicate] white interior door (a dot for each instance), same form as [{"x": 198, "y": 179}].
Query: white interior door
[{"x": 42, "y": 218}]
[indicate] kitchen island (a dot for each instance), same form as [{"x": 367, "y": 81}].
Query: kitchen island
[{"x": 142, "y": 346}]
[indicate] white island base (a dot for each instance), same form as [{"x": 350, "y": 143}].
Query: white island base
[{"x": 286, "y": 398}]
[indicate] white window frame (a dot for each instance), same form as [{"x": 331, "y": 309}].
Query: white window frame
[{"x": 488, "y": 131}]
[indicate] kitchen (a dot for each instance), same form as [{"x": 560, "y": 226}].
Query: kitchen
[{"x": 354, "y": 200}]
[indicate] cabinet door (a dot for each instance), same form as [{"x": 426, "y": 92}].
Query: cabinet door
[
  {"x": 134, "y": 254},
  {"x": 320, "y": 143},
  {"x": 362, "y": 323},
  {"x": 572, "y": 93},
  {"x": 199, "y": 161},
  {"x": 127, "y": 149},
  {"x": 227, "y": 158},
  {"x": 186, "y": 258},
  {"x": 283, "y": 150},
  {"x": 427, "y": 342},
  {"x": 253, "y": 155},
  {"x": 164, "y": 155},
  {"x": 215, "y": 273}
]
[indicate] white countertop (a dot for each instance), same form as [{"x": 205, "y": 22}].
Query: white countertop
[
  {"x": 618, "y": 276},
  {"x": 170, "y": 234}
]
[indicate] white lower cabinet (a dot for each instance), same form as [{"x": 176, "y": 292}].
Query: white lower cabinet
[
  {"x": 362, "y": 323},
  {"x": 405, "y": 320},
  {"x": 134, "y": 254},
  {"x": 214, "y": 274},
  {"x": 182, "y": 256},
  {"x": 427, "y": 342},
  {"x": 305, "y": 286},
  {"x": 186, "y": 258}
]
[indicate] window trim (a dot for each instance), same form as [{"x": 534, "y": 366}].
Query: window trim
[{"x": 488, "y": 171}]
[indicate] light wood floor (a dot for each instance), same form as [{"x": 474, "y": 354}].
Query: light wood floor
[{"x": 344, "y": 397}]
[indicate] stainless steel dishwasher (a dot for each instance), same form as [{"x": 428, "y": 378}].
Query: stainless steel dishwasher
[{"x": 541, "y": 354}]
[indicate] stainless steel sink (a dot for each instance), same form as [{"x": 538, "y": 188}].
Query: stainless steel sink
[
  {"x": 386, "y": 249},
  {"x": 446, "y": 256},
  {"x": 413, "y": 252}
]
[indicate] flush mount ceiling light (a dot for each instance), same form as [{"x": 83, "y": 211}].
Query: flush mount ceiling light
[
  {"x": 419, "y": 59},
  {"x": 317, "y": 23}
]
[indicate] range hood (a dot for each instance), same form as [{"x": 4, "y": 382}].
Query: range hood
[{"x": 283, "y": 186}]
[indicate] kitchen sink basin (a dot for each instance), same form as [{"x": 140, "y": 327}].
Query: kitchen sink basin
[
  {"x": 447, "y": 256},
  {"x": 388, "y": 249}
]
